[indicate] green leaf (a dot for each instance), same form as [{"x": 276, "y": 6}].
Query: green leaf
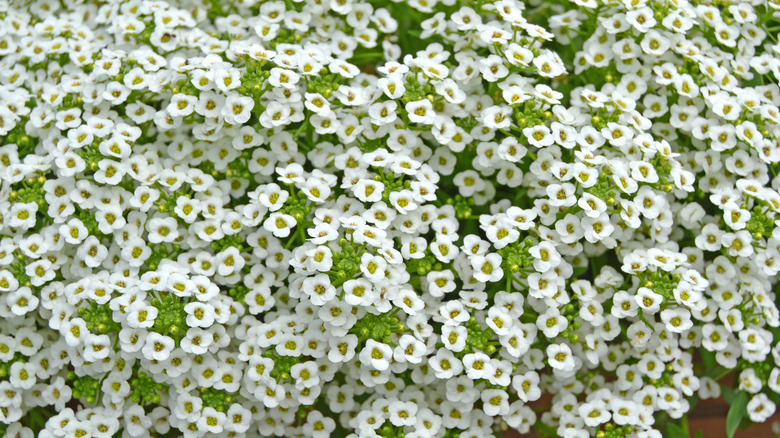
[
  {"x": 737, "y": 412},
  {"x": 675, "y": 431},
  {"x": 728, "y": 394},
  {"x": 708, "y": 359},
  {"x": 699, "y": 434}
]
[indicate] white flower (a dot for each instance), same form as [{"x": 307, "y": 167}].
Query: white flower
[
  {"x": 445, "y": 364},
  {"x": 392, "y": 86},
  {"x": 548, "y": 64},
  {"x": 440, "y": 282},
  {"x": 527, "y": 386},
  {"x": 75, "y": 331},
  {"x": 226, "y": 79},
  {"x": 560, "y": 357},
  {"x": 135, "y": 251},
  {"x": 342, "y": 349},
  {"x": 495, "y": 402},
  {"x": 237, "y": 109},
  {"x": 22, "y": 215},
  {"x": 376, "y": 355},
  {"x": 373, "y": 267},
  {"x": 142, "y": 316},
  {"x": 648, "y": 300},
  {"x": 487, "y": 268},
  {"x": 477, "y": 365},
  {"x": 454, "y": 337},
  {"x": 597, "y": 229},
  {"x": 199, "y": 314},
  {"x": 551, "y": 323},
  {"x": 368, "y": 190},
  {"x": 594, "y": 413},
  {"x": 279, "y": 224},
  {"x": 358, "y": 292},
  {"x": 96, "y": 347},
  {"x": 403, "y": 201},
  {"x": 283, "y": 78},
  {"x": 239, "y": 418},
  {"x": 22, "y": 300},
  {"x": 229, "y": 261},
  {"x": 738, "y": 244},
  {"x": 677, "y": 320},
  {"x": 539, "y": 135},
  {"x": 496, "y": 117},
  {"x": 760, "y": 408},
  {"x": 499, "y": 320},
  {"x": 319, "y": 289},
  {"x": 710, "y": 238},
  {"x": 318, "y": 426},
  {"x": 22, "y": 375},
  {"x": 162, "y": 229},
  {"x": 546, "y": 257},
  {"x": 212, "y": 420},
  {"x": 157, "y": 347},
  {"x": 151, "y": 197},
  {"x": 182, "y": 105},
  {"x": 421, "y": 111}
]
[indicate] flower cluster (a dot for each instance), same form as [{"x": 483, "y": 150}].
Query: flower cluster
[{"x": 364, "y": 219}]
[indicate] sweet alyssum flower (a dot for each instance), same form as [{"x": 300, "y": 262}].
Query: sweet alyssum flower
[{"x": 353, "y": 219}]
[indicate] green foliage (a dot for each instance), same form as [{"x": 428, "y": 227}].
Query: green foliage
[
  {"x": 99, "y": 318},
  {"x": 737, "y": 410},
  {"x": 85, "y": 388},
  {"x": 145, "y": 390},
  {"x": 377, "y": 327},
  {"x": 216, "y": 398},
  {"x": 171, "y": 318}
]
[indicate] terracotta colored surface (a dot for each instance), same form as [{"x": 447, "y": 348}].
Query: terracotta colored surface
[{"x": 709, "y": 416}]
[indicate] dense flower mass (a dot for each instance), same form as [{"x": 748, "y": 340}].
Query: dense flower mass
[{"x": 359, "y": 218}]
